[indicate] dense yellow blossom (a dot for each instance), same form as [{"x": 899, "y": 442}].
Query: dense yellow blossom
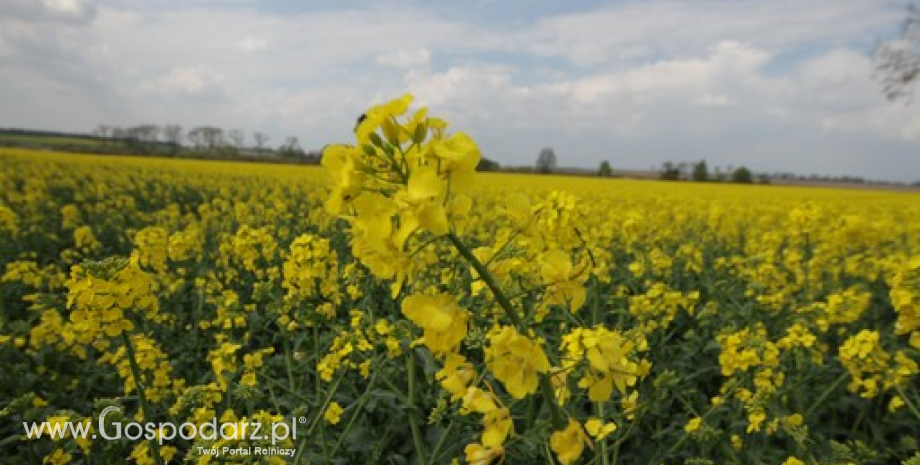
[{"x": 467, "y": 315}]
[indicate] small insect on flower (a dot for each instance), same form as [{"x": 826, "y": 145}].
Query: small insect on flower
[{"x": 359, "y": 121}]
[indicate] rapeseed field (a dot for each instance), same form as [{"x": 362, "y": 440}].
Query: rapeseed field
[{"x": 396, "y": 306}]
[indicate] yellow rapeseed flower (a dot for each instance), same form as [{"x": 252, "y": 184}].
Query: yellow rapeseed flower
[
  {"x": 569, "y": 443},
  {"x": 515, "y": 360},
  {"x": 443, "y": 320},
  {"x": 333, "y": 413}
]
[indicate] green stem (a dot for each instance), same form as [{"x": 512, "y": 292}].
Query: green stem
[
  {"x": 141, "y": 395},
  {"x": 437, "y": 447},
  {"x": 354, "y": 416},
  {"x": 323, "y": 406},
  {"x": 486, "y": 278},
  {"x": 826, "y": 393},
  {"x": 703, "y": 417},
  {"x": 413, "y": 417},
  {"x": 196, "y": 330},
  {"x": 910, "y": 405},
  {"x": 395, "y": 390},
  {"x": 270, "y": 380},
  {"x": 316, "y": 350},
  {"x": 602, "y": 443},
  {"x": 625, "y": 436},
  {"x": 545, "y": 384},
  {"x": 503, "y": 247},
  {"x": 288, "y": 356},
  {"x": 546, "y": 387},
  {"x": 319, "y": 415}
]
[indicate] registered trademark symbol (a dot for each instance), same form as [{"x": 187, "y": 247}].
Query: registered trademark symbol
[{"x": 303, "y": 420}]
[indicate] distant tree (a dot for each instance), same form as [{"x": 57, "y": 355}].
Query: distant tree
[
  {"x": 173, "y": 133},
  {"x": 487, "y": 165},
  {"x": 683, "y": 167},
  {"x": 605, "y": 170},
  {"x": 670, "y": 172},
  {"x": 291, "y": 148},
  {"x": 546, "y": 161},
  {"x": 700, "y": 171},
  {"x": 130, "y": 132},
  {"x": 152, "y": 132},
  {"x": 212, "y": 137},
  {"x": 146, "y": 132},
  {"x": 742, "y": 175},
  {"x": 313, "y": 157},
  {"x": 897, "y": 62},
  {"x": 102, "y": 130},
  {"x": 133, "y": 136},
  {"x": 195, "y": 137},
  {"x": 260, "y": 140},
  {"x": 236, "y": 138}
]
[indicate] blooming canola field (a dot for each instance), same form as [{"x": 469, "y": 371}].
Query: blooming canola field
[{"x": 400, "y": 307}]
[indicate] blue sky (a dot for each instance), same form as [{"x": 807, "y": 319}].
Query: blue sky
[{"x": 780, "y": 85}]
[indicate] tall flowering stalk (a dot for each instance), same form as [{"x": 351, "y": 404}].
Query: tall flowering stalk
[
  {"x": 401, "y": 187},
  {"x": 105, "y": 298}
]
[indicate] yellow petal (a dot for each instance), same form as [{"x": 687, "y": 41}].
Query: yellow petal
[
  {"x": 424, "y": 184},
  {"x": 433, "y": 218}
]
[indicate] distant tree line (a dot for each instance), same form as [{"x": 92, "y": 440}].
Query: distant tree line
[
  {"x": 700, "y": 172},
  {"x": 173, "y": 140},
  {"x": 210, "y": 140},
  {"x": 93, "y": 143},
  {"x": 166, "y": 140}
]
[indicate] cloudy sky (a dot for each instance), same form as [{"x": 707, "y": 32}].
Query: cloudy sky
[{"x": 778, "y": 85}]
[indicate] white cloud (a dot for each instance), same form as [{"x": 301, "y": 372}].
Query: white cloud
[
  {"x": 618, "y": 33},
  {"x": 189, "y": 82},
  {"x": 459, "y": 83},
  {"x": 838, "y": 89},
  {"x": 638, "y": 76},
  {"x": 42, "y": 11},
  {"x": 67, "y": 7},
  {"x": 253, "y": 44},
  {"x": 183, "y": 80},
  {"x": 405, "y": 59},
  {"x": 638, "y": 98},
  {"x": 715, "y": 100}
]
